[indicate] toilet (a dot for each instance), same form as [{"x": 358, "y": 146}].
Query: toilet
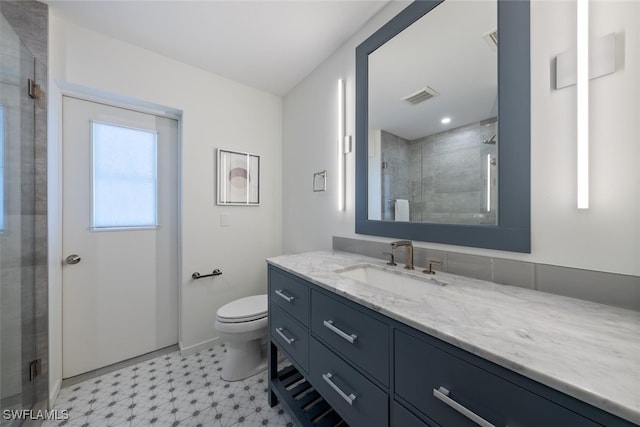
[{"x": 242, "y": 325}]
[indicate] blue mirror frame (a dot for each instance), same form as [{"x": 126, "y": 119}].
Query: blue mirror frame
[{"x": 513, "y": 231}]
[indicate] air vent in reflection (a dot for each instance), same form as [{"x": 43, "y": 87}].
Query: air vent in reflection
[{"x": 421, "y": 95}]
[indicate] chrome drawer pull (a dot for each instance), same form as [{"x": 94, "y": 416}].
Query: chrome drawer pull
[
  {"x": 284, "y": 337},
  {"x": 283, "y": 296},
  {"x": 329, "y": 324},
  {"x": 443, "y": 395},
  {"x": 349, "y": 399}
]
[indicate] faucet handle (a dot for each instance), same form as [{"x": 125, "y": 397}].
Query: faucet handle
[
  {"x": 392, "y": 258},
  {"x": 430, "y": 264}
]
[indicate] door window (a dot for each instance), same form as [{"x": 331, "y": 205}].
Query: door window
[{"x": 125, "y": 178}]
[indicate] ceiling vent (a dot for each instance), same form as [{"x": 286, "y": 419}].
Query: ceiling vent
[
  {"x": 492, "y": 39},
  {"x": 421, "y": 95}
]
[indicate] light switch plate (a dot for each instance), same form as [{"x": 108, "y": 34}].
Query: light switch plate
[{"x": 225, "y": 220}]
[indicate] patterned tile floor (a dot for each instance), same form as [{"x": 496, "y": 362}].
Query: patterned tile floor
[{"x": 170, "y": 390}]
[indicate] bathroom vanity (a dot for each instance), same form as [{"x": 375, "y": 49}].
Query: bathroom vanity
[{"x": 372, "y": 345}]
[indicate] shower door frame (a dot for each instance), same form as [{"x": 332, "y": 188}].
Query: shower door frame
[{"x": 25, "y": 202}]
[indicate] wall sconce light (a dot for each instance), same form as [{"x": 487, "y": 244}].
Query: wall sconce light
[
  {"x": 590, "y": 60},
  {"x": 582, "y": 97},
  {"x": 344, "y": 146}
]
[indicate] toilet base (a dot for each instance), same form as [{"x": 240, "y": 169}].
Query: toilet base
[{"x": 243, "y": 360}]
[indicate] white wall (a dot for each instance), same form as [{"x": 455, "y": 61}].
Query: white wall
[
  {"x": 606, "y": 237},
  {"x": 216, "y": 113}
]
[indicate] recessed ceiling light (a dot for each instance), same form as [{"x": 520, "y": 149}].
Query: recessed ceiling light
[{"x": 445, "y": 120}]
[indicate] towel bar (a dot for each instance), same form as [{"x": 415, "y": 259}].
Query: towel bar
[{"x": 196, "y": 275}]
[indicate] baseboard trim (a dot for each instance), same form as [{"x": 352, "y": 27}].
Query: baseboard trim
[{"x": 204, "y": 345}]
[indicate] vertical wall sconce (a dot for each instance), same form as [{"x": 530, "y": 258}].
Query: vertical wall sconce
[
  {"x": 590, "y": 60},
  {"x": 582, "y": 83},
  {"x": 341, "y": 145}
]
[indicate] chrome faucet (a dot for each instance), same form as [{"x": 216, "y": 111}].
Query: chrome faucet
[{"x": 408, "y": 254}]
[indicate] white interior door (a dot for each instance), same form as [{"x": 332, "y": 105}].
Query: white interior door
[{"x": 120, "y": 234}]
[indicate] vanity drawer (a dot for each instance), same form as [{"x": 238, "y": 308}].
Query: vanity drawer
[
  {"x": 290, "y": 293},
  {"x": 356, "y": 399},
  {"x": 435, "y": 382},
  {"x": 360, "y": 338},
  {"x": 401, "y": 417},
  {"x": 291, "y": 337}
]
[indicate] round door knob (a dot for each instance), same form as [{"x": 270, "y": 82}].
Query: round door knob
[{"x": 72, "y": 259}]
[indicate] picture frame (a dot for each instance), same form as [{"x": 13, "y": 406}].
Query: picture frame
[{"x": 238, "y": 178}]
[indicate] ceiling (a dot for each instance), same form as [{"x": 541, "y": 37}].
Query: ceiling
[
  {"x": 269, "y": 45},
  {"x": 446, "y": 51}
]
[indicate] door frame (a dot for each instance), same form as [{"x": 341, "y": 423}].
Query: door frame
[{"x": 58, "y": 90}]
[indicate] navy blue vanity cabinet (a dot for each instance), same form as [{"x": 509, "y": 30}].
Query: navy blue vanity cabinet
[
  {"x": 354, "y": 366},
  {"x": 358, "y": 401},
  {"x": 454, "y": 392},
  {"x": 339, "y": 369},
  {"x": 351, "y": 333},
  {"x": 291, "y": 336},
  {"x": 290, "y": 293},
  {"x": 402, "y": 417},
  {"x": 289, "y": 311}
]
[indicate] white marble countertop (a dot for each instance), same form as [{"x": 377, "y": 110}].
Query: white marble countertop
[{"x": 589, "y": 351}]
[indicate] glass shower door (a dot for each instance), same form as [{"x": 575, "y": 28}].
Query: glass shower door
[{"x": 18, "y": 361}]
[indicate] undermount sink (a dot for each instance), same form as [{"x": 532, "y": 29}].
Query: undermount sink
[{"x": 388, "y": 279}]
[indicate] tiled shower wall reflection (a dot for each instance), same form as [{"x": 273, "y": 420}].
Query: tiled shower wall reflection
[
  {"x": 23, "y": 242},
  {"x": 618, "y": 290},
  {"x": 449, "y": 177},
  {"x": 395, "y": 173}
]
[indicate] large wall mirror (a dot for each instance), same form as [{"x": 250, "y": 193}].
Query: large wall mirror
[{"x": 443, "y": 125}]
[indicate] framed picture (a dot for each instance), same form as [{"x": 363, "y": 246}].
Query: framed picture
[{"x": 238, "y": 178}]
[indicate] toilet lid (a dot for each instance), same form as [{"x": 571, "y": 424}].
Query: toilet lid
[{"x": 244, "y": 309}]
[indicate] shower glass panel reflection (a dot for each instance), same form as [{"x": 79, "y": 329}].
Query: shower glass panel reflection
[
  {"x": 448, "y": 177},
  {"x": 23, "y": 273}
]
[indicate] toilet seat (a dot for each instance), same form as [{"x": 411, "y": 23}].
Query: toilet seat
[{"x": 243, "y": 310}]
